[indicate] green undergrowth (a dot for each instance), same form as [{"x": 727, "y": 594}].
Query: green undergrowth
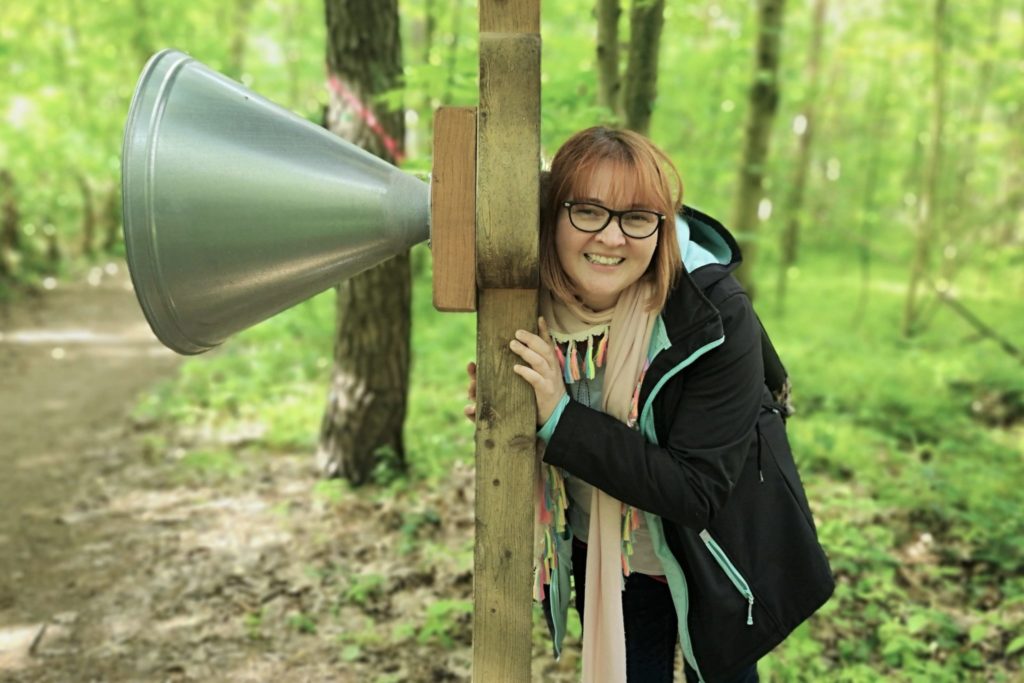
[{"x": 911, "y": 451}]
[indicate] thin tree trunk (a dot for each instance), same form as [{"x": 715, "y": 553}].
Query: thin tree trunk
[
  {"x": 929, "y": 217},
  {"x": 764, "y": 102},
  {"x": 1013, "y": 210},
  {"x": 54, "y": 254},
  {"x": 141, "y": 43},
  {"x": 362, "y": 424},
  {"x": 879, "y": 108},
  {"x": 239, "y": 38},
  {"x": 646, "y": 19},
  {"x": 957, "y": 237},
  {"x": 429, "y": 28},
  {"x": 795, "y": 199},
  {"x": 608, "y": 83},
  {"x": 10, "y": 220},
  {"x": 112, "y": 218},
  {"x": 88, "y": 215},
  {"x": 9, "y": 235},
  {"x": 292, "y": 55},
  {"x": 453, "y": 51}
]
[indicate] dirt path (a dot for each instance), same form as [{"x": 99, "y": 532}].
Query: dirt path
[
  {"x": 133, "y": 553},
  {"x": 72, "y": 361}
]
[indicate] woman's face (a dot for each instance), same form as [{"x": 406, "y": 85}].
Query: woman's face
[{"x": 602, "y": 265}]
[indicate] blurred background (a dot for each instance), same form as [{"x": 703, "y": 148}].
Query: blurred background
[{"x": 168, "y": 518}]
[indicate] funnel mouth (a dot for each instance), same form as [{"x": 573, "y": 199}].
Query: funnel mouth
[{"x": 138, "y": 161}]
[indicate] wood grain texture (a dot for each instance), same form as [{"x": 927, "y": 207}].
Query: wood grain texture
[
  {"x": 505, "y": 470},
  {"x": 453, "y": 209},
  {"x": 512, "y": 16},
  {"x": 508, "y": 161}
]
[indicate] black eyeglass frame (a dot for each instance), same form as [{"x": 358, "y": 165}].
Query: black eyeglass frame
[{"x": 568, "y": 204}]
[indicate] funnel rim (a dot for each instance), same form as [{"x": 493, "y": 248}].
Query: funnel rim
[{"x": 138, "y": 159}]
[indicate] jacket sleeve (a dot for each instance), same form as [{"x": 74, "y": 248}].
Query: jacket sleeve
[{"x": 686, "y": 478}]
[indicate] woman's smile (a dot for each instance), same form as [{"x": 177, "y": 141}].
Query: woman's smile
[{"x": 598, "y": 259}]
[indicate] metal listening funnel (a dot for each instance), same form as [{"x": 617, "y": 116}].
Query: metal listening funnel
[{"x": 236, "y": 209}]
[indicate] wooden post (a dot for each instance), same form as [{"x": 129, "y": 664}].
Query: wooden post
[
  {"x": 506, "y": 272},
  {"x": 507, "y": 220}
]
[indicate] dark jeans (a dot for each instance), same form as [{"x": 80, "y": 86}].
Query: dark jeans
[{"x": 651, "y": 626}]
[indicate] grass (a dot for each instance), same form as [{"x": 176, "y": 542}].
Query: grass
[{"x": 911, "y": 451}]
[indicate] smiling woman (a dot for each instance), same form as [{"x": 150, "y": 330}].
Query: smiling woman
[{"x": 667, "y": 492}]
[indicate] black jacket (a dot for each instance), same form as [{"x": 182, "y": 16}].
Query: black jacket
[{"x": 714, "y": 463}]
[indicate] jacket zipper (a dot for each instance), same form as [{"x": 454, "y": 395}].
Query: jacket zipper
[
  {"x": 734, "y": 575},
  {"x": 647, "y": 429}
]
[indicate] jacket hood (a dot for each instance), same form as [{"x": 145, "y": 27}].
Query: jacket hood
[
  {"x": 709, "y": 254},
  {"x": 703, "y": 241}
]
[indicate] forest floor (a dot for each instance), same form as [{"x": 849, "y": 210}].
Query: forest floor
[{"x": 128, "y": 555}]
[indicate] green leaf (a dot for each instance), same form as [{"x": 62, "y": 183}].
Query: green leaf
[{"x": 1015, "y": 646}]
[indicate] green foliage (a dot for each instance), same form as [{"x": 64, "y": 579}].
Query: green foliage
[
  {"x": 253, "y": 623},
  {"x": 444, "y": 621},
  {"x": 302, "y": 623},
  {"x": 209, "y": 465},
  {"x": 412, "y": 524},
  {"x": 910, "y": 450},
  {"x": 363, "y": 588},
  {"x": 66, "y": 77}
]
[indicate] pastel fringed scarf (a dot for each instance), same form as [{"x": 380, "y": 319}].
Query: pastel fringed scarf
[{"x": 621, "y": 336}]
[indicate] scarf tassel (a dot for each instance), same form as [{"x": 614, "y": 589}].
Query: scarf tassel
[
  {"x": 553, "y": 503},
  {"x": 574, "y": 362},
  {"x": 602, "y": 350}
]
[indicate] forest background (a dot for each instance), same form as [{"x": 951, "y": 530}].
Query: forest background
[{"x": 900, "y": 316}]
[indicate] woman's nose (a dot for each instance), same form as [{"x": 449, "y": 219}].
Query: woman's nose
[{"x": 612, "y": 234}]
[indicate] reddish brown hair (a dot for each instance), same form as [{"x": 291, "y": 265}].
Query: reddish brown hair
[{"x": 648, "y": 178}]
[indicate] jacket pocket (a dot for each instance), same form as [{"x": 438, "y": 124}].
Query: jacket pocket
[{"x": 733, "y": 574}]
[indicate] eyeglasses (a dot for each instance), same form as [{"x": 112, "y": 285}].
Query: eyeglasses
[{"x": 634, "y": 223}]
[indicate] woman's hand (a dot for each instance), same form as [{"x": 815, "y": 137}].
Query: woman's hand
[
  {"x": 541, "y": 371},
  {"x": 470, "y": 410}
]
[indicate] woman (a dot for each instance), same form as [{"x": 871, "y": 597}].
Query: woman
[{"x": 667, "y": 487}]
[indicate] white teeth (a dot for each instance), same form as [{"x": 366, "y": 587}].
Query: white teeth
[{"x": 603, "y": 260}]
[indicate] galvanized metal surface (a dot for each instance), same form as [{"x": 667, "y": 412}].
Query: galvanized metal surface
[{"x": 236, "y": 209}]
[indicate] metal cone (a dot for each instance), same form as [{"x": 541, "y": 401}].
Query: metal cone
[{"x": 236, "y": 209}]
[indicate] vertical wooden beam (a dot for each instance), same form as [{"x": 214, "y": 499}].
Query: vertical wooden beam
[
  {"x": 505, "y": 452},
  {"x": 508, "y": 160},
  {"x": 508, "y": 164}
]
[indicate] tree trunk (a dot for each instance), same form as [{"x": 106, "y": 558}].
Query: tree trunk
[
  {"x": 795, "y": 199},
  {"x": 362, "y": 423},
  {"x": 88, "y": 215},
  {"x": 112, "y": 218},
  {"x": 9, "y": 224},
  {"x": 764, "y": 101},
  {"x": 878, "y": 108},
  {"x": 646, "y": 19},
  {"x": 141, "y": 43},
  {"x": 452, "y": 60},
  {"x": 608, "y": 12},
  {"x": 929, "y": 218},
  {"x": 957, "y": 238},
  {"x": 9, "y": 235},
  {"x": 239, "y": 38},
  {"x": 1013, "y": 210}
]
